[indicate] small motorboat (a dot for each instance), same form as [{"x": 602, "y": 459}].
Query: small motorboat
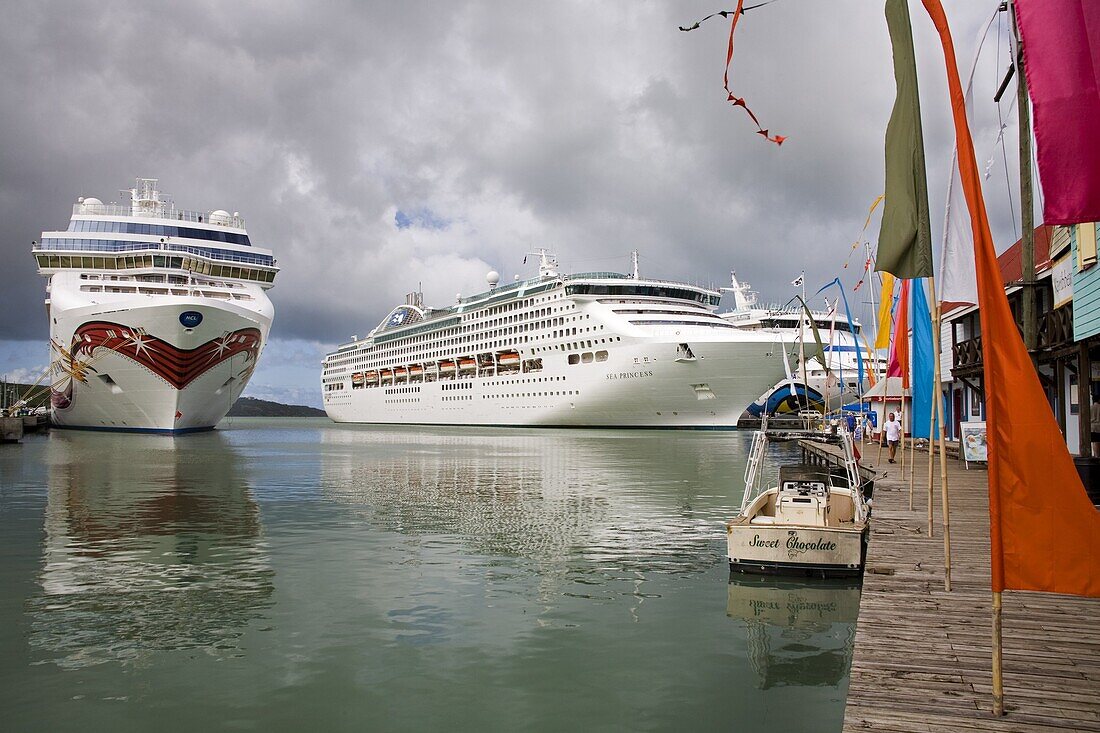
[{"x": 810, "y": 520}]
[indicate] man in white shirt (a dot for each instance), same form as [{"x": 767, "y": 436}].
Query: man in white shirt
[{"x": 893, "y": 435}]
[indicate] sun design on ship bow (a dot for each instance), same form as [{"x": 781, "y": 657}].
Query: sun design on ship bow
[{"x": 179, "y": 367}]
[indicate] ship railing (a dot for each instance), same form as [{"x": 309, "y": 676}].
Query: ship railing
[
  {"x": 530, "y": 282},
  {"x": 621, "y": 276},
  {"x": 157, "y": 212},
  {"x": 157, "y": 247}
]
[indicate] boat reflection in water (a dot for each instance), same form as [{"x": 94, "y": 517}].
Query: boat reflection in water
[
  {"x": 562, "y": 501},
  {"x": 150, "y": 545},
  {"x": 799, "y": 633}
]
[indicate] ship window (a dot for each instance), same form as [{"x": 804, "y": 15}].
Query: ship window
[
  {"x": 587, "y": 357},
  {"x": 601, "y": 356},
  {"x": 574, "y": 358}
]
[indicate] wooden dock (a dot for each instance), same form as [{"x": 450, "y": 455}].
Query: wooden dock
[{"x": 922, "y": 655}]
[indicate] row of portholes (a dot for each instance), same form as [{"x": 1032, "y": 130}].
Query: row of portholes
[
  {"x": 587, "y": 357},
  {"x": 533, "y": 394}
]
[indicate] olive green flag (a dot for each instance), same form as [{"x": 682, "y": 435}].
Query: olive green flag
[{"x": 904, "y": 239}]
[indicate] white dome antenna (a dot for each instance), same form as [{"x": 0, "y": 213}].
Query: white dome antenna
[{"x": 493, "y": 278}]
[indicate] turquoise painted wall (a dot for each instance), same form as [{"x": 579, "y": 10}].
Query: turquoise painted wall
[{"x": 1086, "y": 294}]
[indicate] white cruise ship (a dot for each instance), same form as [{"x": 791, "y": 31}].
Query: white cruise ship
[
  {"x": 593, "y": 349},
  {"x": 157, "y": 315},
  {"x": 789, "y": 326}
]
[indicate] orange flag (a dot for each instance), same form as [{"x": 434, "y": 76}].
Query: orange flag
[
  {"x": 899, "y": 350},
  {"x": 1044, "y": 532}
]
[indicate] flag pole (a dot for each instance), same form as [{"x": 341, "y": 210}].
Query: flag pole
[
  {"x": 912, "y": 441},
  {"x": 941, "y": 427},
  {"x": 802, "y": 342},
  {"x": 932, "y": 407},
  {"x": 998, "y": 674},
  {"x": 881, "y": 426}
]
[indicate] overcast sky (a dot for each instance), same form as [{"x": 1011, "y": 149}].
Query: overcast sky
[{"x": 376, "y": 146}]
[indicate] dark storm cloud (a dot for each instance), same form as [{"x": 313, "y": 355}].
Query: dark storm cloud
[{"x": 494, "y": 129}]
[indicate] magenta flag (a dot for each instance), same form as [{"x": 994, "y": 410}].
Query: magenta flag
[{"x": 1061, "y": 41}]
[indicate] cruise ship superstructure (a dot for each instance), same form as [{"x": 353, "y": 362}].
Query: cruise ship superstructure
[
  {"x": 592, "y": 349},
  {"x": 157, "y": 315},
  {"x": 790, "y": 327}
]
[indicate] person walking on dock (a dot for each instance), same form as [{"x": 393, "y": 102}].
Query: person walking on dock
[{"x": 892, "y": 428}]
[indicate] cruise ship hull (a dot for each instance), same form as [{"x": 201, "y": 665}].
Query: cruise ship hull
[
  {"x": 643, "y": 385},
  {"x": 138, "y": 367}
]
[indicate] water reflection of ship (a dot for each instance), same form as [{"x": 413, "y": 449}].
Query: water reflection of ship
[
  {"x": 798, "y": 633},
  {"x": 159, "y": 550},
  {"x": 547, "y": 496}
]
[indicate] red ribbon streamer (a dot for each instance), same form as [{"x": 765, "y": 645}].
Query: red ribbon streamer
[{"x": 740, "y": 101}]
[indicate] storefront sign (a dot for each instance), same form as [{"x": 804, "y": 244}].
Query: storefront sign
[
  {"x": 974, "y": 445},
  {"x": 1062, "y": 280}
]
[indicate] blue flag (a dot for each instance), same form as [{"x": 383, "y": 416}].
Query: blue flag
[
  {"x": 851, "y": 326},
  {"x": 922, "y": 374}
]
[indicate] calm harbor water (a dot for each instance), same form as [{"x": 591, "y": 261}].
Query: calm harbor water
[{"x": 293, "y": 574}]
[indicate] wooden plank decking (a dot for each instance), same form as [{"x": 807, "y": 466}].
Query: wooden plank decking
[{"x": 922, "y": 655}]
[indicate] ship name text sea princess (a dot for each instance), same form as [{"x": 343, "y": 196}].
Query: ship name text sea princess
[{"x": 592, "y": 349}]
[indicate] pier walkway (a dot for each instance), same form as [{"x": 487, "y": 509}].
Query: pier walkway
[{"x": 922, "y": 655}]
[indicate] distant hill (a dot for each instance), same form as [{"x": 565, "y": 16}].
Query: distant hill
[
  {"x": 252, "y": 407},
  {"x": 245, "y": 406},
  {"x": 13, "y": 392}
]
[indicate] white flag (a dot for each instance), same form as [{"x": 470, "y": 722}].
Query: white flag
[
  {"x": 797, "y": 282},
  {"x": 787, "y": 369},
  {"x": 958, "y": 279}
]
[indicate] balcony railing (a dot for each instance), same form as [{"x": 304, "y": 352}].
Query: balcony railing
[
  {"x": 967, "y": 353},
  {"x": 1056, "y": 328}
]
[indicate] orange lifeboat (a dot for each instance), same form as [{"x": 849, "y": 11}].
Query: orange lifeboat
[
  {"x": 447, "y": 366},
  {"x": 467, "y": 364},
  {"x": 508, "y": 358}
]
